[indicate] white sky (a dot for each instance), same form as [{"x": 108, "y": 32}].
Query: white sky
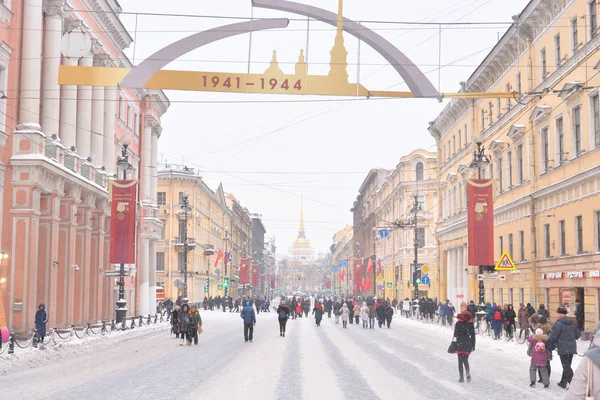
[{"x": 231, "y": 142}]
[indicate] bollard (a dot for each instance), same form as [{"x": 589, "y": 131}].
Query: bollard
[
  {"x": 149, "y": 321},
  {"x": 87, "y": 328},
  {"x": 132, "y": 322},
  {"x": 103, "y": 326},
  {"x": 72, "y": 329},
  {"x": 11, "y": 344},
  {"x": 123, "y": 325},
  {"x": 112, "y": 325},
  {"x": 141, "y": 321},
  {"x": 161, "y": 318},
  {"x": 156, "y": 318},
  {"x": 35, "y": 338}
]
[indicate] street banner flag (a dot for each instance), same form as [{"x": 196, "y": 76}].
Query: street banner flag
[
  {"x": 219, "y": 256},
  {"x": 358, "y": 273},
  {"x": 227, "y": 258},
  {"x": 244, "y": 271},
  {"x": 505, "y": 263},
  {"x": 122, "y": 221},
  {"x": 370, "y": 266},
  {"x": 379, "y": 266},
  {"x": 255, "y": 275},
  {"x": 480, "y": 216}
]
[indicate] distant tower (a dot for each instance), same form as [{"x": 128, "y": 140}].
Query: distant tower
[
  {"x": 274, "y": 70},
  {"x": 301, "y": 66},
  {"x": 338, "y": 67}
]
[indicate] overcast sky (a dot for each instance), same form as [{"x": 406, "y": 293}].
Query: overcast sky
[{"x": 271, "y": 152}]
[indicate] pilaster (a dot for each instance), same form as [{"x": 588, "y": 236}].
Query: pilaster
[
  {"x": 84, "y": 113},
  {"x": 83, "y": 259},
  {"x": 66, "y": 280}
]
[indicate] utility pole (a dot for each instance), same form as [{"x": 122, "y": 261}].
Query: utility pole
[
  {"x": 416, "y": 208},
  {"x": 123, "y": 162}
]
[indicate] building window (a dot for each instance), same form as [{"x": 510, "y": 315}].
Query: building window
[
  {"x": 181, "y": 261},
  {"x": 597, "y": 230},
  {"x": 121, "y": 108},
  {"x": 562, "y": 236},
  {"x": 577, "y": 130},
  {"x": 544, "y": 63},
  {"x": 522, "y": 245},
  {"x": 596, "y": 116},
  {"x": 422, "y": 202},
  {"x": 419, "y": 171},
  {"x": 510, "y": 245},
  {"x": 508, "y": 102},
  {"x": 520, "y": 164},
  {"x": 500, "y": 173},
  {"x": 129, "y": 114},
  {"x": 560, "y": 138},
  {"x": 160, "y": 261},
  {"x": 518, "y": 82},
  {"x": 136, "y": 125},
  {"x": 453, "y": 145},
  {"x": 161, "y": 198},
  {"x": 449, "y": 150},
  {"x": 499, "y": 107},
  {"x": 459, "y": 140},
  {"x": 593, "y": 18},
  {"x": 545, "y": 149},
  {"x": 574, "y": 34},
  {"x": 500, "y": 245},
  {"x": 579, "y": 230},
  {"x": 510, "y": 169},
  {"x": 557, "y": 55},
  {"x": 491, "y": 113},
  {"x": 482, "y": 119},
  {"x": 547, "y": 240},
  {"x": 466, "y": 139},
  {"x": 420, "y": 238},
  {"x": 180, "y": 198}
]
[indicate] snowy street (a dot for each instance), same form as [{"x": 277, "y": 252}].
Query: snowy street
[{"x": 408, "y": 361}]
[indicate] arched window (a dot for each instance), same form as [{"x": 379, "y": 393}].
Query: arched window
[{"x": 419, "y": 171}]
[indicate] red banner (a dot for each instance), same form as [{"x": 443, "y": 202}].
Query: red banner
[
  {"x": 122, "y": 222},
  {"x": 255, "y": 275},
  {"x": 244, "y": 271},
  {"x": 358, "y": 274},
  {"x": 480, "y": 205}
]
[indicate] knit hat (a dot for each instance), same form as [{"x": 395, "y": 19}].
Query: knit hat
[
  {"x": 562, "y": 310},
  {"x": 539, "y": 331},
  {"x": 463, "y": 306}
]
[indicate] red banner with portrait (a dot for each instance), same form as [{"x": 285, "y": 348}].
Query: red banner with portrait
[
  {"x": 244, "y": 271},
  {"x": 122, "y": 221},
  {"x": 480, "y": 215},
  {"x": 358, "y": 274},
  {"x": 255, "y": 275}
]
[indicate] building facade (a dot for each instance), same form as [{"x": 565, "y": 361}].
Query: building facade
[
  {"x": 257, "y": 255},
  {"x": 58, "y": 149},
  {"x": 240, "y": 244},
  {"x": 342, "y": 252},
  {"x": 544, "y": 147},
  {"x": 301, "y": 256}
]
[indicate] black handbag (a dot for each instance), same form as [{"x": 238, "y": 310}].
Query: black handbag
[{"x": 452, "y": 348}]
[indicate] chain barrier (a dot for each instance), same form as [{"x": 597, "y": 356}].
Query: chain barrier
[{"x": 87, "y": 330}]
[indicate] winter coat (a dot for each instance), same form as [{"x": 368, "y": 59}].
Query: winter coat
[
  {"x": 577, "y": 390},
  {"x": 564, "y": 336},
  {"x": 345, "y": 313},
  {"x": 450, "y": 311},
  {"x": 406, "y": 305},
  {"x": 248, "y": 315},
  {"x": 464, "y": 332},
  {"x": 380, "y": 312},
  {"x": 389, "y": 313},
  {"x": 544, "y": 312},
  {"x": 283, "y": 312},
  {"x": 371, "y": 311},
  {"x": 496, "y": 324},
  {"x": 443, "y": 309},
  {"x": 472, "y": 309},
  {"x": 357, "y": 310},
  {"x": 41, "y": 317},
  {"x": 184, "y": 318},
  {"x": 523, "y": 318},
  {"x": 364, "y": 313},
  {"x": 195, "y": 320},
  {"x": 318, "y": 312},
  {"x": 579, "y": 314},
  {"x": 538, "y": 358},
  {"x": 509, "y": 316},
  {"x": 535, "y": 322},
  {"x": 337, "y": 307},
  {"x": 175, "y": 318}
]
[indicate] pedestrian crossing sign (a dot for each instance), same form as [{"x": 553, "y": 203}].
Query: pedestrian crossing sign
[{"x": 505, "y": 263}]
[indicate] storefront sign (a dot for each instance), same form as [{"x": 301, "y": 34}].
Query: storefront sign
[
  {"x": 594, "y": 274},
  {"x": 570, "y": 275},
  {"x": 122, "y": 221},
  {"x": 516, "y": 272},
  {"x": 575, "y": 274},
  {"x": 553, "y": 275},
  {"x": 480, "y": 200}
]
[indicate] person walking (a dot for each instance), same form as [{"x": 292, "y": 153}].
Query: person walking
[
  {"x": 257, "y": 303},
  {"x": 388, "y": 313},
  {"x": 563, "y": 338},
  {"x": 450, "y": 311},
  {"x": 464, "y": 336},
  {"x": 356, "y": 313},
  {"x": 495, "y": 316},
  {"x": 298, "y": 310},
  {"x": 539, "y": 359},
  {"x": 195, "y": 324},
  {"x": 175, "y": 322},
  {"x": 587, "y": 374},
  {"x": 283, "y": 313},
  {"x": 510, "y": 317},
  {"x": 371, "y": 316},
  {"x": 249, "y": 318},
  {"x": 318, "y": 313},
  {"x": 350, "y": 304},
  {"x": 523, "y": 320},
  {"x": 543, "y": 311},
  {"x": 472, "y": 309},
  {"x": 345, "y": 315},
  {"x": 364, "y": 315},
  {"x": 538, "y": 321},
  {"x": 184, "y": 324},
  {"x": 530, "y": 310},
  {"x": 337, "y": 311},
  {"x": 41, "y": 318},
  {"x": 579, "y": 314},
  {"x": 380, "y": 311}
]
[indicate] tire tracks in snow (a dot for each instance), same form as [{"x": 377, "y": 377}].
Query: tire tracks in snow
[{"x": 290, "y": 381}]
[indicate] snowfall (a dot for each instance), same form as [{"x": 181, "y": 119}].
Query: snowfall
[{"x": 408, "y": 361}]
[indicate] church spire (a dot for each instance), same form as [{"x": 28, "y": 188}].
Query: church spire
[
  {"x": 339, "y": 55},
  {"x": 301, "y": 233}
]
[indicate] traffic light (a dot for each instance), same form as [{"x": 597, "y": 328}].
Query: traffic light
[
  {"x": 417, "y": 276},
  {"x": 226, "y": 282}
]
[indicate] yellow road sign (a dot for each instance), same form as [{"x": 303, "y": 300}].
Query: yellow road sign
[
  {"x": 379, "y": 278},
  {"x": 425, "y": 269},
  {"x": 505, "y": 263}
]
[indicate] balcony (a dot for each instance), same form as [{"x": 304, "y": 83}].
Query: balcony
[{"x": 180, "y": 243}]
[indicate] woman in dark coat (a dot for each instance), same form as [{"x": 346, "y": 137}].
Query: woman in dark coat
[
  {"x": 41, "y": 318},
  {"x": 509, "y": 317},
  {"x": 175, "y": 322},
  {"x": 185, "y": 323},
  {"x": 283, "y": 313},
  {"x": 318, "y": 313},
  {"x": 464, "y": 335}
]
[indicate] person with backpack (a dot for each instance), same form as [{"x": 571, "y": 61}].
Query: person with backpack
[
  {"x": 283, "y": 313},
  {"x": 337, "y": 311},
  {"x": 539, "y": 358},
  {"x": 495, "y": 317}
]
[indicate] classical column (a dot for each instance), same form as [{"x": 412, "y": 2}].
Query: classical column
[
  {"x": 98, "y": 131},
  {"x": 150, "y": 123},
  {"x": 53, "y": 18},
  {"x": 84, "y": 113},
  {"x": 460, "y": 271},
  {"x": 449, "y": 282},
  {"x": 152, "y": 277},
  {"x": 143, "y": 286},
  {"x": 68, "y": 99},
  {"x": 83, "y": 259},
  {"x": 31, "y": 49},
  {"x": 52, "y": 263},
  {"x": 464, "y": 266},
  {"x": 454, "y": 276},
  {"x": 108, "y": 140},
  {"x": 156, "y": 131}
]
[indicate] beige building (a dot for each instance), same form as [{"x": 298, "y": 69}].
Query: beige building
[
  {"x": 341, "y": 252},
  {"x": 545, "y": 159}
]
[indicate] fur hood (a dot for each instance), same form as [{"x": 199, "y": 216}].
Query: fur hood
[{"x": 543, "y": 337}]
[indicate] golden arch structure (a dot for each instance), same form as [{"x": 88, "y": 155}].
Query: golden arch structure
[{"x": 150, "y": 75}]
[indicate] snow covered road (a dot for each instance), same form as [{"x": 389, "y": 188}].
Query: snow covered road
[{"x": 408, "y": 361}]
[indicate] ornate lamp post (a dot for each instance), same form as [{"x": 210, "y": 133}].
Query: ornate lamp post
[
  {"x": 185, "y": 206},
  {"x": 416, "y": 208},
  {"x": 480, "y": 160},
  {"x": 124, "y": 165}
]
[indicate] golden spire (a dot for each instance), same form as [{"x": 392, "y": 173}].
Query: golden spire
[
  {"x": 338, "y": 67},
  {"x": 274, "y": 70},
  {"x": 301, "y": 233},
  {"x": 301, "y": 66}
]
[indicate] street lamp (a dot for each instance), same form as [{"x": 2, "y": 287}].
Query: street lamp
[
  {"x": 185, "y": 205},
  {"x": 123, "y": 164},
  {"x": 480, "y": 160},
  {"x": 416, "y": 208}
]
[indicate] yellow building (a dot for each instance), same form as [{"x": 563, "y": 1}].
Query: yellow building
[
  {"x": 415, "y": 175},
  {"x": 341, "y": 252},
  {"x": 545, "y": 161},
  {"x": 301, "y": 255},
  {"x": 212, "y": 226}
]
